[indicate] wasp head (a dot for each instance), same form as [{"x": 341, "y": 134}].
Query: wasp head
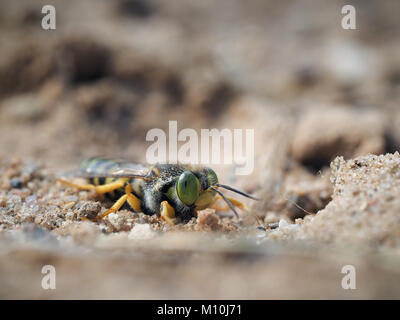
[{"x": 199, "y": 188}]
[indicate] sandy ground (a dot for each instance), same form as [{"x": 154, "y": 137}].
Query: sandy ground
[{"x": 323, "y": 102}]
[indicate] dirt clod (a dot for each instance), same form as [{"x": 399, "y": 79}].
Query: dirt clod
[
  {"x": 87, "y": 209},
  {"x": 207, "y": 220}
]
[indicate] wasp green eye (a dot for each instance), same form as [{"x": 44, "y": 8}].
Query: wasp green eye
[
  {"x": 211, "y": 177},
  {"x": 188, "y": 188}
]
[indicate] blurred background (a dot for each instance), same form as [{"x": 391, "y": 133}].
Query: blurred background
[{"x": 112, "y": 70}]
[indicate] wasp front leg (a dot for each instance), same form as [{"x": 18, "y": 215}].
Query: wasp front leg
[
  {"x": 237, "y": 204},
  {"x": 234, "y": 202},
  {"x": 167, "y": 212}
]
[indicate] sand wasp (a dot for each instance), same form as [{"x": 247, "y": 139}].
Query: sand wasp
[{"x": 170, "y": 190}]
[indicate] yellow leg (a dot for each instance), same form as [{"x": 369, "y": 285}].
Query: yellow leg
[
  {"x": 134, "y": 202},
  {"x": 77, "y": 186},
  {"x": 237, "y": 204},
  {"x": 116, "y": 206},
  {"x": 234, "y": 202},
  {"x": 99, "y": 189},
  {"x": 167, "y": 212}
]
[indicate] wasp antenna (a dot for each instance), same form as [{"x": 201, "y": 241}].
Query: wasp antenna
[
  {"x": 227, "y": 201},
  {"x": 237, "y": 191}
]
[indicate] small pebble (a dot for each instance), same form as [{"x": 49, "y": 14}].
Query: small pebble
[
  {"x": 16, "y": 183},
  {"x": 88, "y": 209}
]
